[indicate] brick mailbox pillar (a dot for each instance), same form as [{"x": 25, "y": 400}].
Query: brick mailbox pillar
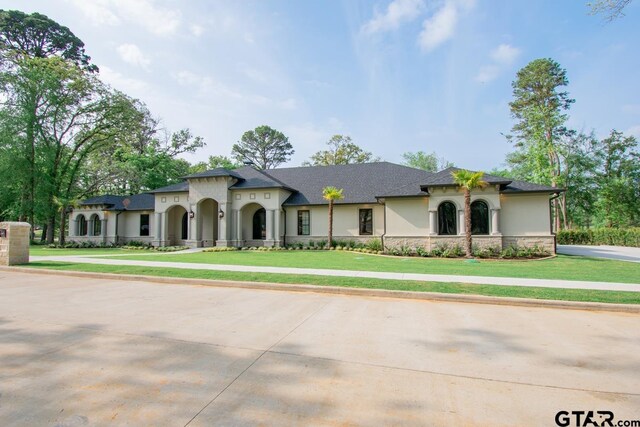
[{"x": 14, "y": 243}]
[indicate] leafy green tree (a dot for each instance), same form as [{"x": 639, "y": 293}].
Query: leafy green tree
[
  {"x": 331, "y": 194},
  {"x": 428, "y": 162},
  {"x": 222, "y": 162},
  {"x": 38, "y": 36},
  {"x": 24, "y": 36},
  {"x": 611, "y": 9},
  {"x": 341, "y": 152},
  {"x": 618, "y": 176},
  {"x": 579, "y": 178},
  {"x": 265, "y": 147},
  {"x": 468, "y": 181},
  {"x": 539, "y": 108}
]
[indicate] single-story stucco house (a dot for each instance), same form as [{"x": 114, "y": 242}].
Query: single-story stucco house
[{"x": 402, "y": 206}]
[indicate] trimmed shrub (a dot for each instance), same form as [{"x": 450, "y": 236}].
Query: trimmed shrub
[
  {"x": 222, "y": 249},
  {"x": 374, "y": 244},
  {"x": 600, "y": 236}
]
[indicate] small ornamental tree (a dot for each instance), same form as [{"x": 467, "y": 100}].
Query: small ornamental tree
[
  {"x": 468, "y": 181},
  {"x": 331, "y": 194}
]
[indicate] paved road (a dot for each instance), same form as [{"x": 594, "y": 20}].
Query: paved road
[
  {"x": 99, "y": 352},
  {"x": 502, "y": 281},
  {"x": 620, "y": 253}
]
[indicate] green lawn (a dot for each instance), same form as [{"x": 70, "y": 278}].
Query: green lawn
[
  {"x": 45, "y": 251},
  {"x": 561, "y": 267},
  {"x": 451, "y": 288}
]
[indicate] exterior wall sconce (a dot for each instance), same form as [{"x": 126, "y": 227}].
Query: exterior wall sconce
[
  {"x": 191, "y": 214},
  {"x": 221, "y": 214}
]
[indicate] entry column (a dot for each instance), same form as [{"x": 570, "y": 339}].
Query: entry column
[
  {"x": 269, "y": 220},
  {"x": 224, "y": 224},
  {"x": 495, "y": 221}
]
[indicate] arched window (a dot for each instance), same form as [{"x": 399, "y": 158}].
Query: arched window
[
  {"x": 260, "y": 224},
  {"x": 82, "y": 225},
  {"x": 97, "y": 225},
  {"x": 479, "y": 217},
  {"x": 185, "y": 226},
  {"x": 447, "y": 219}
]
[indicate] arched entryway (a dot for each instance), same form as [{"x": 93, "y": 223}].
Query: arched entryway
[
  {"x": 177, "y": 226},
  {"x": 254, "y": 224},
  {"x": 260, "y": 224},
  {"x": 208, "y": 222}
]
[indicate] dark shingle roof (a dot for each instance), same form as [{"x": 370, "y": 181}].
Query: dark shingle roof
[
  {"x": 507, "y": 185},
  {"x": 361, "y": 182},
  {"x": 136, "y": 202},
  {"x": 528, "y": 187},
  {"x": 253, "y": 178},
  {"x": 444, "y": 178},
  {"x": 408, "y": 190},
  {"x": 213, "y": 173},
  {"x": 180, "y": 186}
]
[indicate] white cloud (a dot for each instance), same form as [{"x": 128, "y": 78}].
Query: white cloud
[
  {"x": 207, "y": 86},
  {"x": 487, "y": 73},
  {"x": 288, "y": 104},
  {"x": 131, "y": 54},
  {"x": 98, "y": 11},
  {"x": 503, "y": 57},
  {"x": 196, "y": 30},
  {"x": 157, "y": 20},
  {"x": 634, "y": 131},
  {"x": 438, "y": 28},
  {"x": 441, "y": 25},
  {"x": 397, "y": 13},
  {"x": 125, "y": 84},
  {"x": 505, "y": 54}
]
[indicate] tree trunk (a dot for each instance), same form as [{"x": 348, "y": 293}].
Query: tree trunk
[
  {"x": 467, "y": 224},
  {"x": 43, "y": 235},
  {"x": 51, "y": 226},
  {"x": 63, "y": 221},
  {"x": 330, "y": 224}
]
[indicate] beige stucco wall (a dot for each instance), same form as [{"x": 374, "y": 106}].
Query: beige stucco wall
[
  {"x": 128, "y": 225},
  {"x": 345, "y": 221},
  {"x": 525, "y": 215},
  {"x": 407, "y": 217},
  {"x": 164, "y": 201}
]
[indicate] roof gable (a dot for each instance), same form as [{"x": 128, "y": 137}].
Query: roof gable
[{"x": 361, "y": 182}]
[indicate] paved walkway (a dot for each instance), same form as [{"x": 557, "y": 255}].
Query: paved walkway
[
  {"x": 107, "y": 352},
  {"x": 482, "y": 280},
  {"x": 620, "y": 253}
]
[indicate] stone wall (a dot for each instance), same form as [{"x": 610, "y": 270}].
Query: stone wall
[
  {"x": 14, "y": 243},
  {"x": 432, "y": 242},
  {"x": 546, "y": 242},
  {"x": 397, "y": 242},
  {"x": 306, "y": 239}
]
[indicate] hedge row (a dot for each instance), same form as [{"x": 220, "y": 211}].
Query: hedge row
[{"x": 600, "y": 236}]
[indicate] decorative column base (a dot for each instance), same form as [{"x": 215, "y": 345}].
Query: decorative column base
[
  {"x": 269, "y": 243},
  {"x": 157, "y": 243},
  {"x": 223, "y": 242}
]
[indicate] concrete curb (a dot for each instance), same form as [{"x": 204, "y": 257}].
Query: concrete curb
[{"x": 378, "y": 293}]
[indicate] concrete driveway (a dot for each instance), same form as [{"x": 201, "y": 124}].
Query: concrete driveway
[
  {"x": 620, "y": 253},
  {"x": 79, "y": 351}
]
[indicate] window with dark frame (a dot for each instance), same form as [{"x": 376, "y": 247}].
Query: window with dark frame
[
  {"x": 82, "y": 225},
  {"x": 366, "y": 222},
  {"x": 304, "y": 223},
  {"x": 144, "y": 224},
  {"x": 447, "y": 225},
  {"x": 479, "y": 218}
]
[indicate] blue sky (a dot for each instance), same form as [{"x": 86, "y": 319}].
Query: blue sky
[{"x": 402, "y": 75}]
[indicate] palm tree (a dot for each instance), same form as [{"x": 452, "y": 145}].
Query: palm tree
[
  {"x": 331, "y": 194},
  {"x": 468, "y": 181}
]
